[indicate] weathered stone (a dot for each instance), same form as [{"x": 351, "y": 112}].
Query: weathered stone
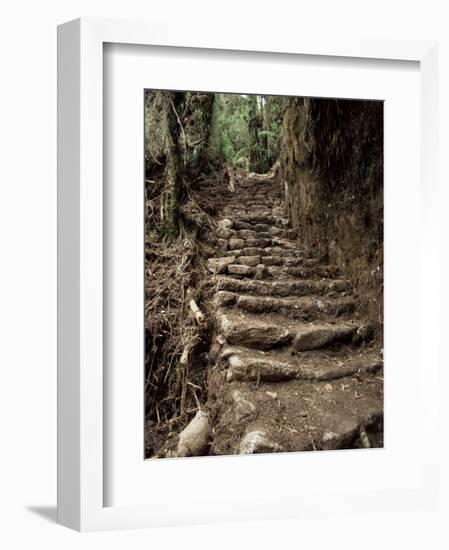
[
  {"x": 272, "y": 288},
  {"x": 237, "y": 269},
  {"x": 340, "y": 431},
  {"x": 264, "y": 369},
  {"x": 219, "y": 265},
  {"x": 260, "y": 271},
  {"x": 319, "y": 336},
  {"x": 246, "y": 365},
  {"x": 262, "y": 227},
  {"x": 225, "y": 223},
  {"x": 247, "y": 234},
  {"x": 235, "y": 244},
  {"x": 249, "y": 260},
  {"x": 364, "y": 333},
  {"x": 272, "y": 260},
  {"x": 252, "y": 251},
  {"x": 222, "y": 244},
  {"x": 292, "y": 261},
  {"x": 276, "y": 251},
  {"x": 242, "y": 408},
  {"x": 252, "y": 332},
  {"x": 223, "y": 298},
  {"x": 224, "y": 233},
  {"x": 242, "y": 225},
  {"x": 252, "y": 243},
  {"x": 302, "y": 307},
  {"x": 256, "y": 441}
]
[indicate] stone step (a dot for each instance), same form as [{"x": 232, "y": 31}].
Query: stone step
[
  {"x": 267, "y": 251},
  {"x": 252, "y": 331},
  {"x": 220, "y": 265},
  {"x": 306, "y": 307},
  {"x": 244, "y": 364},
  {"x": 289, "y": 261},
  {"x": 284, "y": 288},
  {"x": 248, "y": 242},
  {"x": 255, "y": 232},
  {"x": 267, "y": 271},
  {"x": 300, "y": 271},
  {"x": 258, "y": 218}
]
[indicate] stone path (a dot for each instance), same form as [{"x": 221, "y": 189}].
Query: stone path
[{"x": 293, "y": 366}]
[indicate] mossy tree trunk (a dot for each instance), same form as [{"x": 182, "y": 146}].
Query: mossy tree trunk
[
  {"x": 171, "y": 103},
  {"x": 197, "y": 118}
]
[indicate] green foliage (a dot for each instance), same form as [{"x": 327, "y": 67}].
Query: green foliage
[
  {"x": 245, "y": 131},
  {"x": 189, "y": 133}
]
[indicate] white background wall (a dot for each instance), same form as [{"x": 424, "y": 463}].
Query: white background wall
[{"x": 28, "y": 270}]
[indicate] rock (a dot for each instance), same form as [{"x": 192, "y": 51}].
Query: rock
[
  {"x": 219, "y": 265},
  {"x": 247, "y": 234},
  {"x": 223, "y": 298},
  {"x": 272, "y": 260},
  {"x": 222, "y": 244},
  {"x": 253, "y": 368},
  {"x": 292, "y": 261},
  {"x": 252, "y": 332},
  {"x": 252, "y": 251},
  {"x": 194, "y": 439},
  {"x": 260, "y": 271},
  {"x": 237, "y": 269},
  {"x": 225, "y": 223},
  {"x": 257, "y": 441},
  {"x": 277, "y": 231},
  {"x": 235, "y": 244},
  {"x": 242, "y": 408},
  {"x": 271, "y": 288},
  {"x": 224, "y": 233},
  {"x": 242, "y": 225},
  {"x": 262, "y": 227},
  {"x": 251, "y": 242},
  {"x": 339, "y": 433},
  {"x": 364, "y": 333},
  {"x": 319, "y": 336},
  {"x": 249, "y": 260},
  {"x": 301, "y": 307}
]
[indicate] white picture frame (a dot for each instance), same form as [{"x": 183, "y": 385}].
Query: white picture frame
[{"x": 81, "y": 490}]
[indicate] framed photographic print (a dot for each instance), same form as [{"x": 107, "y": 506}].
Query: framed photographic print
[{"x": 242, "y": 293}]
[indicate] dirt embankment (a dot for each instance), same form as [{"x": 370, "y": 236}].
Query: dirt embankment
[{"x": 331, "y": 167}]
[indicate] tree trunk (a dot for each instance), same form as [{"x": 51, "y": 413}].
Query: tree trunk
[{"x": 171, "y": 195}]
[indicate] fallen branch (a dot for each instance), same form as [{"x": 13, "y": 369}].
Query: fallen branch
[{"x": 195, "y": 310}]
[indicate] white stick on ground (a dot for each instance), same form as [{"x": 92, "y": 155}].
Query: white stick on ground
[{"x": 196, "y": 312}]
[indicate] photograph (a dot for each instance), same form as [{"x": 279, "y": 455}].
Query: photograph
[{"x": 263, "y": 273}]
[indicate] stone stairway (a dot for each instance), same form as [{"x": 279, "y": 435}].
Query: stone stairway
[{"x": 292, "y": 365}]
